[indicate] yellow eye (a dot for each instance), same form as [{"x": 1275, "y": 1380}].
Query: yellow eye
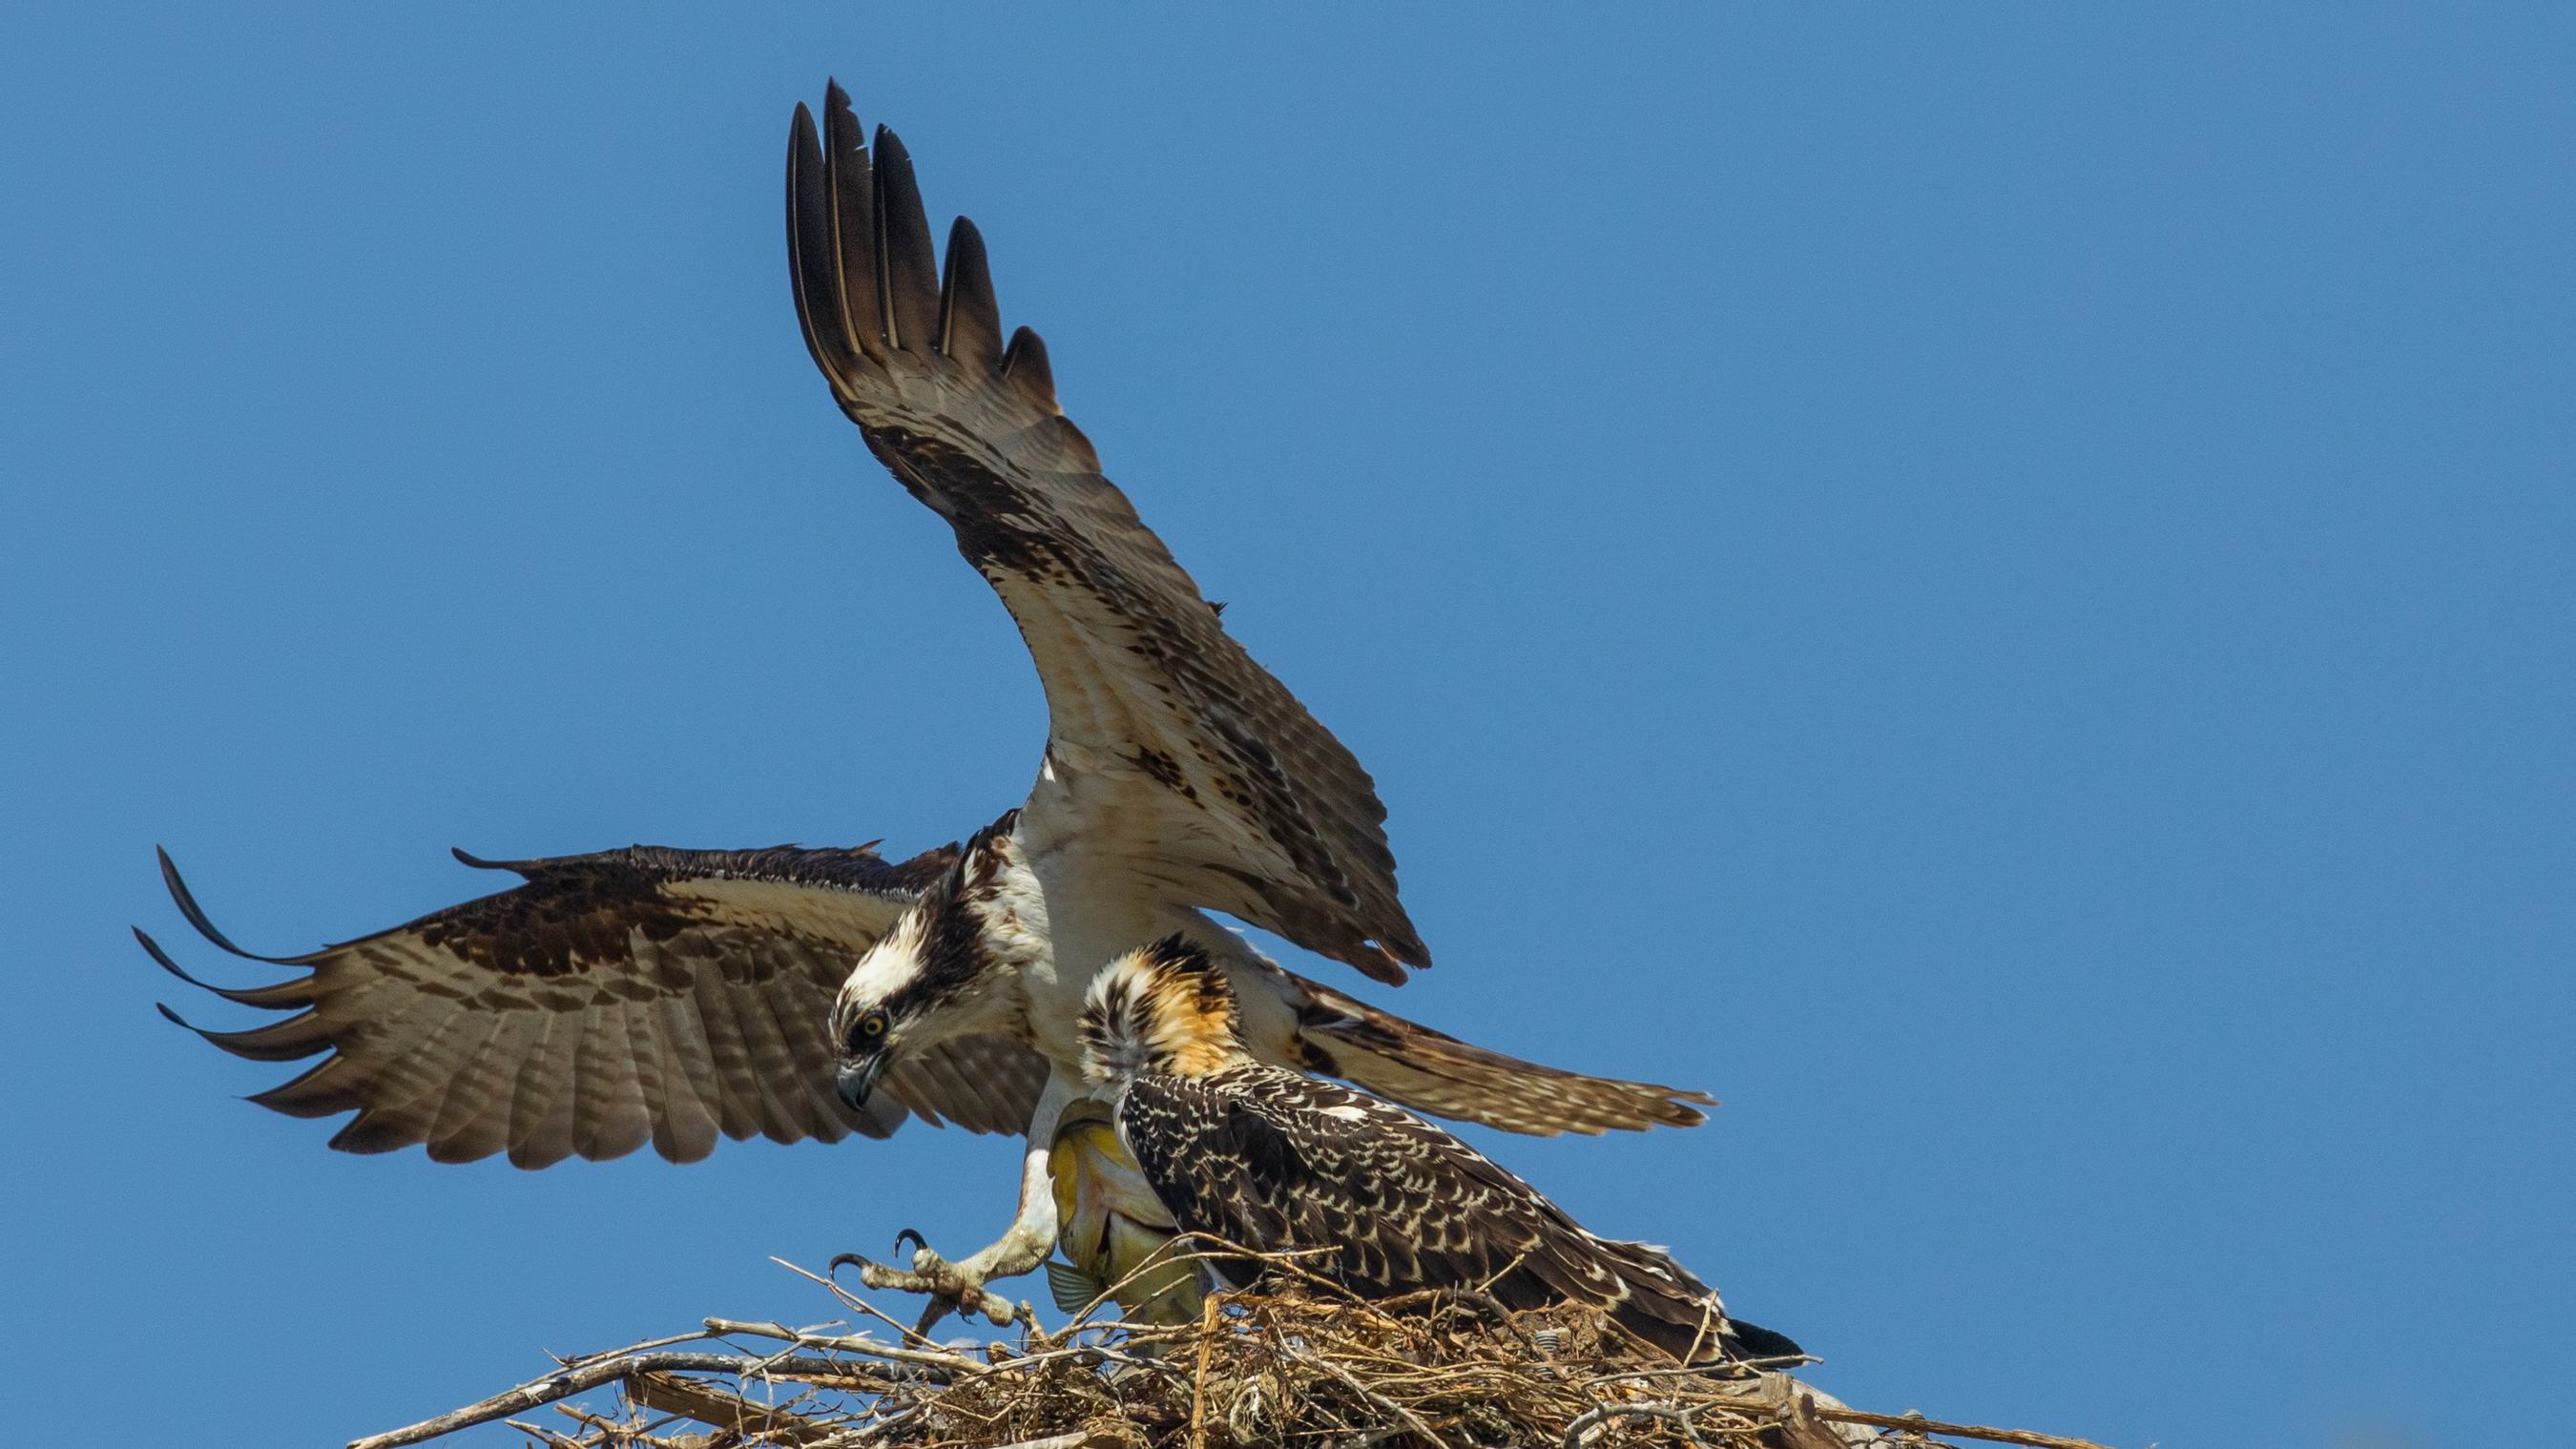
[{"x": 872, "y": 1026}]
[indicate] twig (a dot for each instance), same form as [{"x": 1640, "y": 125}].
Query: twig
[
  {"x": 1369, "y": 1396},
  {"x": 599, "y": 1424},
  {"x": 1723, "y": 1368},
  {"x": 717, "y": 1409},
  {"x": 570, "y": 1381},
  {"x": 1198, "y": 1383},
  {"x": 877, "y": 1427},
  {"x": 850, "y": 1343},
  {"x": 577, "y": 1360},
  {"x": 1677, "y": 1415},
  {"x": 1917, "y": 1424}
]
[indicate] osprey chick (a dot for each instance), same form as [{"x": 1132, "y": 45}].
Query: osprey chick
[{"x": 1365, "y": 1193}]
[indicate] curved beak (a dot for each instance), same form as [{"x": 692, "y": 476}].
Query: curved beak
[{"x": 854, "y": 1080}]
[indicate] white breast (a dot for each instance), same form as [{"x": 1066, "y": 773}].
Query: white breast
[{"x": 1096, "y": 908}]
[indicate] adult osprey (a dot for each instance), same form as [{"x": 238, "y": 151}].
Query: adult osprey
[
  {"x": 1249, "y": 1155},
  {"x": 683, "y": 995}
]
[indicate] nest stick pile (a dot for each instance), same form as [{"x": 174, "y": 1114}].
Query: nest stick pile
[{"x": 1304, "y": 1364}]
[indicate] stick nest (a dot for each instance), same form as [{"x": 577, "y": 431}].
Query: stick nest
[{"x": 1303, "y": 1365}]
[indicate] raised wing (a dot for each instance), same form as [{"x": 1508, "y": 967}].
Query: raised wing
[
  {"x": 1224, "y": 788},
  {"x": 633, "y": 995}
]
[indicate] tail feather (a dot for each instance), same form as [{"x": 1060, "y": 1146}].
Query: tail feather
[
  {"x": 1683, "y": 1318},
  {"x": 1667, "y": 1305},
  {"x": 1752, "y": 1340},
  {"x": 1692, "y": 1342}
]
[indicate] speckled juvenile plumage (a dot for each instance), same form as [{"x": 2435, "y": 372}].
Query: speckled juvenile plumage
[{"x": 1364, "y": 1192}]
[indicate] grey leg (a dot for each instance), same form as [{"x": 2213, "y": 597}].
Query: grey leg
[{"x": 959, "y": 1286}]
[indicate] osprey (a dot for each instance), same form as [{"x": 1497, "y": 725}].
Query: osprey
[
  {"x": 679, "y": 996},
  {"x": 1253, "y": 1157}
]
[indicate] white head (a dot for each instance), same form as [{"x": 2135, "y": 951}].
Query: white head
[{"x": 918, "y": 984}]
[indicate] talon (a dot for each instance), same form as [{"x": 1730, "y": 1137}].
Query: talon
[
  {"x": 876, "y": 1275},
  {"x": 949, "y": 1289},
  {"x": 883, "y": 1278}
]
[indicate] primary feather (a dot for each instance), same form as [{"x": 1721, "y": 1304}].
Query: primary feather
[
  {"x": 1236, "y": 799},
  {"x": 681, "y": 997},
  {"x": 645, "y": 994}
]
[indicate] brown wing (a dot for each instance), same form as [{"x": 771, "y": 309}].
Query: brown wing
[
  {"x": 646, "y": 993},
  {"x": 1431, "y": 1071},
  {"x": 1222, "y": 786},
  {"x": 1387, "y": 1204}
]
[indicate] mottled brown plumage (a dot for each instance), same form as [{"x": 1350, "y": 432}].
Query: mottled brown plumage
[
  {"x": 1357, "y": 1190},
  {"x": 643, "y": 994},
  {"x": 1154, "y": 710},
  {"x": 683, "y": 996}
]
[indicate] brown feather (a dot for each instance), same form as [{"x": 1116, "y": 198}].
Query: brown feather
[
  {"x": 850, "y": 209},
  {"x": 970, "y": 319},
  {"x": 907, "y": 265},
  {"x": 1387, "y": 1204},
  {"x": 646, "y": 994},
  {"x": 1357, "y": 1190},
  {"x": 1431, "y": 1071},
  {"x": 1025, "y": 363},
  {"x": 1250, "y": 806}
]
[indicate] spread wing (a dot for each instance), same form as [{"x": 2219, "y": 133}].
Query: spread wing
[
  {"x": 633, "y": 995},
  {"x": 1224, "y": 790}
]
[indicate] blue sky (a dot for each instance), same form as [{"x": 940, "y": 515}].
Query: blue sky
[{"x": 1991, "y": 585}]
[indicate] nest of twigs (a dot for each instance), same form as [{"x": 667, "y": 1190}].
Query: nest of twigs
[{"x": 1304, "y": 1364}]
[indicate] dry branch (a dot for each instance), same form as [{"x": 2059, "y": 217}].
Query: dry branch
[
  {"x": 1303, "y": 1365},
  {"x": 581, "y": 1378}
]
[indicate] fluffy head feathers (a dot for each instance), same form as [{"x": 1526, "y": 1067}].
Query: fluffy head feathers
[{"x": 1159, "y": 1008}]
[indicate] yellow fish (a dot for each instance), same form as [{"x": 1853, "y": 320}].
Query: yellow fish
[{"x": 1110, "y": 1224}]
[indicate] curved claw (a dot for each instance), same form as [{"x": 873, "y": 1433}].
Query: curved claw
[{"x": 949, "y": 1290}]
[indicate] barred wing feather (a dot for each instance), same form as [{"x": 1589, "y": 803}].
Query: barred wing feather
[
  {"x": 645, "y": 994},
  {"x": 1243, "y": 802}
]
